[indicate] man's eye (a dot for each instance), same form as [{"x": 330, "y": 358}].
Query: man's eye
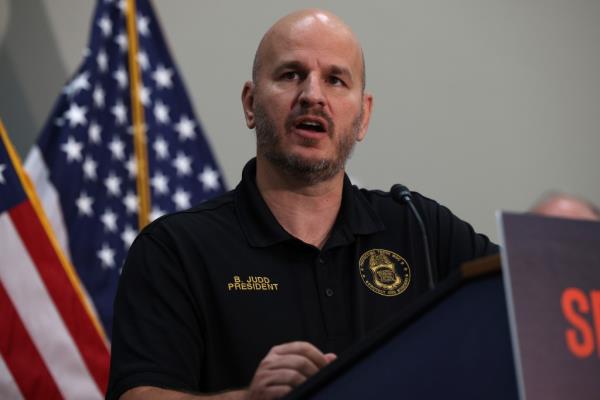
[
  {"x": 334, "y": 80},
  {"x": 290, "y": 75}
]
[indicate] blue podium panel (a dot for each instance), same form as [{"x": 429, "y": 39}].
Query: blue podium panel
[{"x": 455, "y": 344}]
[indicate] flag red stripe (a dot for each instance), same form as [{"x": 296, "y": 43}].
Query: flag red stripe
[
  {"x": 89, "y": 342},
  {"x": 22, "y": 357}
]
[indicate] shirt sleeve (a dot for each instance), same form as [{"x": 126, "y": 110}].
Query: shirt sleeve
[
  {"x": 156, "y": 339},
  {"x": 452, "y": 241}
]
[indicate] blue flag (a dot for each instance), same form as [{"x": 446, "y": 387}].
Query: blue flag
[{"x": 84, "y": 164}]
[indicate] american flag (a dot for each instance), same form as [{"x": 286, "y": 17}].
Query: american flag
[
  {"x": 84, "y": 165},
  {"x": 51, "y": 344}
]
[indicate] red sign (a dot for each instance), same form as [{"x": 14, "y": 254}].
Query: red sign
[
  {"x": 551, "y": 270},
  {"x": 583, "y": 314}
]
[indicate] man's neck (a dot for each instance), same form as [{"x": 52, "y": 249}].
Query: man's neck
[{"x": 305, "y": 211}]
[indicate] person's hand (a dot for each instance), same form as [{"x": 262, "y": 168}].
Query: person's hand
[{"x": 285, "y": 367}]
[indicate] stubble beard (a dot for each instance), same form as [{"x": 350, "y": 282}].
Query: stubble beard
[{"x": 300, "y": 168}]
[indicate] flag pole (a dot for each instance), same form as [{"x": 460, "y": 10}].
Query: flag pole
[
  {"x": 39, "y": 210},
  {"x": 137, "y": 110}
]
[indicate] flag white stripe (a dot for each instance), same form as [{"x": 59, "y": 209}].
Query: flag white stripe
[
  {"x": 8, "y": 387},
  {"x": 40, "y": 317},
  {"x": 38, "y": 173}
]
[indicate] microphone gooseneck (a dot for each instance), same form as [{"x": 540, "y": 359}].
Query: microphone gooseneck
[{"x": 402, "y": 195}]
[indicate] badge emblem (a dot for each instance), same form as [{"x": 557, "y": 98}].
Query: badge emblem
[{"x": 384, "y": 272}]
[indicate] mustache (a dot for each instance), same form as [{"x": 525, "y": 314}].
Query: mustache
[{"x": 289, "y": 122}]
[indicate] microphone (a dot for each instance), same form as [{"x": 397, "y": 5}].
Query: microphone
[{"x": 402, "y": 195}]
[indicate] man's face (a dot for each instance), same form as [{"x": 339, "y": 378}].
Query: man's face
[{"x": 307, "y": 103}]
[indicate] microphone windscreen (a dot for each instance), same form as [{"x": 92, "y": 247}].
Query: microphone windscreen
[{"x": 400, "y": 193}]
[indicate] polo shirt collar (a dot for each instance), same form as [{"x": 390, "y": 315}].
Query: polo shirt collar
[{"x": 356, "y": 216}]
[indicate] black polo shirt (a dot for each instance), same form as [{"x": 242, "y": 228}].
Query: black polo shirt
[{"x": 205, "y": 293}]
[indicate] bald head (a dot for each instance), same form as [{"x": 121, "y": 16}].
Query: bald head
[
  {"x": 293, "y": 25},
  {"x": 566, "y": 206}
]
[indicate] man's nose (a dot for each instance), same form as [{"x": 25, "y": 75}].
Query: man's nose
[{"x": 312, "y": 92}]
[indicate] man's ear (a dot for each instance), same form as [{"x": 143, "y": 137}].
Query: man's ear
[
  {"x": 248, "y": 104},
  {"x": 367, "y": 107}
]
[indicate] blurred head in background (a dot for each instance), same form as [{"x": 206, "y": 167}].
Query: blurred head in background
[{"x": 556, "y": 204}]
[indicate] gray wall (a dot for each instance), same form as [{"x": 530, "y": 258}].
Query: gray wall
[{"x": 480, "y": 104}]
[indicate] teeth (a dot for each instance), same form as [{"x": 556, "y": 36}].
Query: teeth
[{"x": 312, "y": 125}]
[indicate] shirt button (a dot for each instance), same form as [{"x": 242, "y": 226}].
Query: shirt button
[
  {"x": 329, "y": 292},
  {"x": 321, "y": 260}
]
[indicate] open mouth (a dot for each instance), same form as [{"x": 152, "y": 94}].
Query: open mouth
[{"x": 313, "y": 126}]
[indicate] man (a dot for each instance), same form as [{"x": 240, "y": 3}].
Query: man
[
  {"x": 566, "y": 206},
  {"x": 261, "y": 288}
]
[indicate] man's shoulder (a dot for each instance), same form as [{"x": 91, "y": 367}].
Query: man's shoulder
[
  {"x": 215, "y": 205},
  {"x": 202, "y": 216},
  {"x": 383, "y": 198}
]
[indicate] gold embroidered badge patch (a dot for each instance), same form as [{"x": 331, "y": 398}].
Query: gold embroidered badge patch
[{"x": 384, "y": 272}]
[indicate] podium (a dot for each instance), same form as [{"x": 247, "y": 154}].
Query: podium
[
  {"x": 452, "y": 344},
  {"x": 455, "y": 342}
]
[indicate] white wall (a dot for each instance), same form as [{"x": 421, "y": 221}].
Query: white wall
[{"x": 480, "y": 104}]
